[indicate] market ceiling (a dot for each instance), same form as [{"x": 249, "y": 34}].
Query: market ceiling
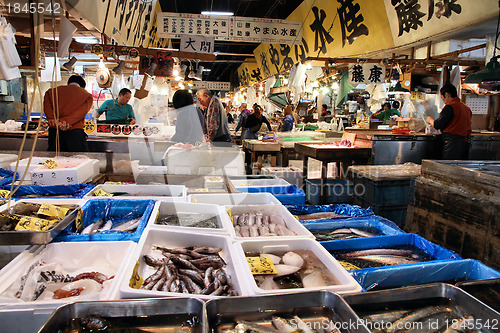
[{"x": 226, "y": 71}]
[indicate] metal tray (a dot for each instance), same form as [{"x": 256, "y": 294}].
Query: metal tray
[
  {"x": 487, "y": 291},
  {"x": 431, "y": 292},
  {"x": 315, "y": 308},
  {"x": 168, "y": 308},
  {"x": 21, "y": 237}
]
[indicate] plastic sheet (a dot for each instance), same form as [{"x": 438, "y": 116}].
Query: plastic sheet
[
  {"x": 118, "y": 211},
  {"x": 383, "y": 226},
  {"x": 7, "y": 177},
  {"x": 76, "y": 191},
  {"x": 450, "y": 271},
  {"x": 287, "y": 195},
  {"x": 340, "y": 209}
]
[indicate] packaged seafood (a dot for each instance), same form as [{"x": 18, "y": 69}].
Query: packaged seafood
[
  {"x": 368, "y": 226},
  {"x": 196, "y": 218},
  {"x": 109, "y": 220},
  {"x": 305, "y": 312},
  {"x": 35, "y": 221},
  {"x": 378, "y": 252},
  {"x": 430, "y": 308},
  {"x": 299, "y": 265},
  {"x": 448, "y": 271},
  {"x": 235, "y": 199},
  {"x": 266, "y": 221},
  {"x": 132, "y": 191},
  {"x": 179, "y": 315},
  {"x": 180, "y": 264}
]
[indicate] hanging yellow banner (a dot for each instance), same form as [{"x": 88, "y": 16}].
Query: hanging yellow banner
[
  {"x": 249, "y": 73},
  {"x": 342, "y": 28}
]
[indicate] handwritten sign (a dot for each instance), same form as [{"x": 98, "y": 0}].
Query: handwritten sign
[
  {"x": 136, "y": 281},
  {"x": 261, "y": 265},
  {"x": 4, "y": 194},
  {"x": 52, "y": 210},
  {"x": 50, "y": 163}
]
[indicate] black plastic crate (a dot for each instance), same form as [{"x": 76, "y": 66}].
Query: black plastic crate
[{"x": 337, "y": 191}]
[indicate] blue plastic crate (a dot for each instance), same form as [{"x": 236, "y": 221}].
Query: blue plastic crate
[
  {"x": 6, "y": 178},
  {"x": 436, "y": 251},
  {"x": 384, "y": 192},
  {"x": 340, "y": 209},
  {"x": 450, "y": 271},
  {"x": 375, "y": 224},
  {"x": 118, "y": 211},
  {"x": 287, "y": 195},
  {"x": 72, "y": 191},
  {"x": 337, "y": 191}
]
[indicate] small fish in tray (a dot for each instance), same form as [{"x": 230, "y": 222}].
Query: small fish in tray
[
  {"x": 294, "y": 269},
  {"x": 320, "y": 216},
  {"x": 383, "y": 257},
  {"x": 193, "y": 220},
  {"x": 443, "y": 317},
  {"x": 256, "y": 225},
  {"x": 107, "y": 225},
  {"x": 280, "y": 324},
  {"x": 192, "y": 270},
  {"x": 342, "y": 233}
]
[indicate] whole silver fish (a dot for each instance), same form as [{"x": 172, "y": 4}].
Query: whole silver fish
[
  {"x": 248, "y": 326},
  {"x": 92, "y": 228},
  {"x": 128, "y": 226},
  {"x": 417, "y": 315},
  {"x": 388, "y": 260},
  {"x": 362, "y": 253}
]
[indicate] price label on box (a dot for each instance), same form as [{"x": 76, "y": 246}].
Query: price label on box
[
  {"x": 79, "y": 220},
  {"x": 348, "y": 266},
  {"x": 4, "y": 194},
  {"x": 33, "y": 224},
  {"x": 101, "y": 193},
  {"x": 261, "y": 265},
  {"x": 136, "y": 281},
  {"x": 50, "y": 163},
  {"x": 52, "y": 210}
]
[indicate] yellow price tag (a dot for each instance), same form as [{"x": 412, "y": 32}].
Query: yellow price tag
[
  {"x": 50, "y": 163},
  {"x": 114, "y": 183},
  {"x": 230, "y": 213},
  {"x": 348, "y": 266},
  {"x": 296, "y": 217},
  {"x": 52, "y": 210},
  {"x": 243, "y": 185},
  {"x": 201, "y": 189},
  {"x": 89, "y": 126},
  {"x": 136, "y": 281},
  {"x": 101, "y": 193},
  {"x": 193, "y": 199},
  {"x": 79, "y": 220},
  {"x": 4, "y": 194},
  {"x": 261, "y": 265},
  {"x": 33, "y": 224}
]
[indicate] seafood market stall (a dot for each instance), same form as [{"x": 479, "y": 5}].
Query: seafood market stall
[{"x": 256, "y": 149}]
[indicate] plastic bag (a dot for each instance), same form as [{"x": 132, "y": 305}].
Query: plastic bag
[
  {"x": 340, "y": 209},
  {"x": 76, "y": 191}
]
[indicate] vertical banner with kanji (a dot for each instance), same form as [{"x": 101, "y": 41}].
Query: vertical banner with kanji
[
  {"x": 366, "y": 73},
  {"x": 249, "y": 73}
]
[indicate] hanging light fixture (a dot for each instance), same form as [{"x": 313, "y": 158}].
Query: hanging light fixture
[
  {"x": 118, "y": 69},
  {"x": 69, "y": 65},
  {"x": 150, "y": 71},
  {"x": 489, "y": 77}
]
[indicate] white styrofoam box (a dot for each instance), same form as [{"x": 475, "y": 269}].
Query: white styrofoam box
[
  {"x": 291, "y": 222},
  {"x": 64, "y": 176},
  {"x": 163, "y": 208},
  {"x": 291, "y": 174},
  {"x": 9, "y": 252},
  {"x": 6, "y": 160},
  {"x": 214, "y": 182},
  {"x": 202, "y": 161},
  {"x": 36, "y": 162},
  {"x": 143, "y": 192},
  {"x": 179, "y": 239},
  {"x": 346, "y": 283},
  {"x": 235, "y": 199},
  {"x": 110, "y": 258},
  {"x": 259, "y": 182}
]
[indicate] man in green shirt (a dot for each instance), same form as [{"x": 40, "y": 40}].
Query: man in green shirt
[
  {"x": 117, "y": 109},
  {"x": 388, "y": 112}
]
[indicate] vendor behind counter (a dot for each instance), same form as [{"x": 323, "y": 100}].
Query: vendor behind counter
[
  {"x": 388, "y": 112},
  {"x": 118, "y": 111}
]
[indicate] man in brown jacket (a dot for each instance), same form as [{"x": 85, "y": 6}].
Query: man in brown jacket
[{"x": 68, "y": 115}]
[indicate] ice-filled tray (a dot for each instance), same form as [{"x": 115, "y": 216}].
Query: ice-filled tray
[
  {"x": 235, "y": 199},
  {"x": 19, "y": 237},
  {"x": 430, "y": 308},
  {"x": 302, "y": 265},
  {"x": 285, "y": 225},
  {"x": 259, "y": 182},
  {"x": 156, "y": 192},
  {"x": 190, "y": 217},
  {"x": 177, "y": 239},
  {"x": 309, "y": 311},
  {"x": 107, "y": 219},
  {"x": 44, "y": 269},
  {"x": 169, "y": 314}
]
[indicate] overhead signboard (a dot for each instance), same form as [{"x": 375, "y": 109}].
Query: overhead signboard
[
  {"x": 197, "y": 44},
  {"x": 212, "y": 85},
  {"x": 229, "y": 28},
  {"x": 249, "y": 73},
  {"x": 411, "y": 21},
  {"x": 366, "y": 73}
]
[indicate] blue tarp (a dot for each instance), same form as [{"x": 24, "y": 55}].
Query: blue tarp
[
  {"x": 374, "y": 224},
  {"x": 7, "y": 177},
  {"x": 450, "y": 271},
  {"x": 383, "y": 242},
  {"x": 118, "y": 211},
  {"x": 73, "y": 191},
  {"x": 287, "y": 195},
  {"x": 341, "y": 209}
]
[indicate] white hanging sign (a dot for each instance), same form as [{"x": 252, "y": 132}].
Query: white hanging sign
[
  {"x": 366, "y": 73},
  {"x": 197, "y": 44}
]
